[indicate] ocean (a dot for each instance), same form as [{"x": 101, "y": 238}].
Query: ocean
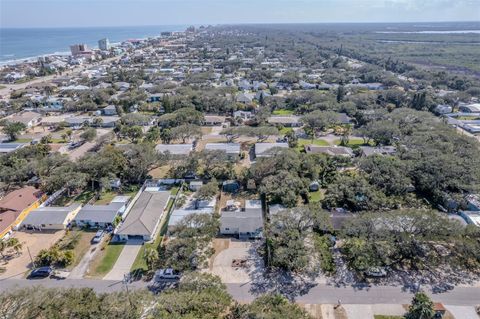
[{"x": 20, "y": 44}]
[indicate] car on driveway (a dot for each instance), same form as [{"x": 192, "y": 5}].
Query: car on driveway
[
  {"x": 168, "y": 273},
  {"x": 98, "y": 237},
  {"x": 376, "y": 272},
  {"x": 42, "y": 272}
]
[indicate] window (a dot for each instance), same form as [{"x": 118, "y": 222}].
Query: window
[{"x": 227, "y": 228}]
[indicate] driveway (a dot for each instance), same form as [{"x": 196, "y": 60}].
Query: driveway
[
  {"x": 78, "y": 152},
  {"x": 125, "y": 260},
  {"x": 463, "y": 312},
  {"x": 33, "y": 241},
  {"x": 222, "y": 263},
  {"x": 81, "y": 269}
]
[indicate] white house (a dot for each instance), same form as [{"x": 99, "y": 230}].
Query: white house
[
  {"x": 247, "y": 223},
  {"x": 51, "y": 218}
]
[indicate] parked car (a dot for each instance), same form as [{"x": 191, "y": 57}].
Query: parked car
[
  {"x": 74, "y": 145},
  {"x": 98, "y": 236},
  {"x": 168, "y": 273},
  {"x": 41, "y": 272},
  {"x": 60, "y": 274},
  {"x": 376, "y": 272}
]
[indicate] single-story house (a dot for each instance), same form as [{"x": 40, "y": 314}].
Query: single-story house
[
  {"x": 101, "y": 215},
  {"x": 287, "y": 121},
  {"x": 243, "y": 115},
  {"x": 471, "y": 126},
  {"x": 51, "y": 218},
  {"x": 379, "y": 150},
  {"x": 29, "y": 119},
  {"x": 78, "y": 121},
  {"x": 247, "y": 223},
  {"x": 10, "y": 147},
  {"x": 179, "y": 214},
  {"x": 245, "y": 98},
  {"x": 106, "y": 121},
  {"x": 213, "y": 120},
  {"x": 53, "y": 103},
  {"x": 16, "y": 205},
  {"x": 470, "y": 108},
  {"x": 195, "y": 185},
  {"x": 109, "y": 110},
  {"x": 266, "y": 149},
  {"x": 343, "y": 118},
  {"x": 144, "y": 217},
  {"x": 329, "y": 150},
  {"x": 178, "y": 150},
  {"x": 231, "y": 149}
]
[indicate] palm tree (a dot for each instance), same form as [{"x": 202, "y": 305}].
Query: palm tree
[
  {"x": 421, "y": 307},
  {"x": 151, "y": 257},
  {"x": 15, "y": 244},
  {"x": 345, "y": 139}
]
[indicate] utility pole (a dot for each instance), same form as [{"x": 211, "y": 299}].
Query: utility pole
[
  {"x": 31, "y": 259},
  {"x": 125, "y": 282}
]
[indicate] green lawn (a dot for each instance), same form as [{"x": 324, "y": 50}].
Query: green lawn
[
  {"x": 58, "y": 140},
  {"x": 105, "y": 198},
  {"x": 139, "y": 264},
  {"x": 285, "y": 130},
  {"x": 108, "y": 259},
  {"x": 315, "y": 197},
  {"x": 352, "y": 142},
  {"x": 282, "y": 112},
  {"x": 302, "y": 142},
  {"x": 23, "y": 140},
  {"x": 85, "y": 196}
]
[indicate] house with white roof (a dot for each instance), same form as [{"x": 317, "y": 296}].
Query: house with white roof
[{"x": 244, "y": 223}]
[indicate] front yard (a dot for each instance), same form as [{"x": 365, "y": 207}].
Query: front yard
[
  {"x": 105, "y": 260},
  {"x": 140, "y": 265},
  {"x": 80, "y": 242}
]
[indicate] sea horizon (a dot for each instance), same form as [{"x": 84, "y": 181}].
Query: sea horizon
[{"x": 20, "y": 44}]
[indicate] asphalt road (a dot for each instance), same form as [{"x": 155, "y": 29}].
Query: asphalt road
[
  {"x": 324, "y": 294},
  {"x": 320, "y": 294}
]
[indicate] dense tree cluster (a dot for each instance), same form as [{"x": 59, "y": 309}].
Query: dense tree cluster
[
  {"x": 410, "y": 239},
  {"x": 201, "y": 296}
]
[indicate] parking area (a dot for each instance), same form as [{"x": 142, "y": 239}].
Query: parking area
[
  {"x": 235, "y": 261},
  {"x": 32, "y": 243}
]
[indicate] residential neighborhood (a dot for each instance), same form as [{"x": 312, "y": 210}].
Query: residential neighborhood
[{"x": 246, "y": 157}]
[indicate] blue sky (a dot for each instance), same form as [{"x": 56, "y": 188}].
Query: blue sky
[{"x": 61, "y": 13}]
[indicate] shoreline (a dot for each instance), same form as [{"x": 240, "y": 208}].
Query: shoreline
[{"x": 12, "y": 60}]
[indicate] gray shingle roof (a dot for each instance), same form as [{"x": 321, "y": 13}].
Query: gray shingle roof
[
  {"x": 49, "y": 215},
  {"x": 174, "y": 149},
  {"x": 145, "y": 214},
  {"x": 229, "y": 148},
  {"x": 99, "y": 213}
]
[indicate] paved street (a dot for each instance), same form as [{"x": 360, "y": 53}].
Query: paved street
[
  {"x": 320, "y": 294},
  {"x": 323, "y": 294}
]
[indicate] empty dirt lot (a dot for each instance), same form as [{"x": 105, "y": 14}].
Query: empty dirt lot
[{"x": 35, "y": 241}]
